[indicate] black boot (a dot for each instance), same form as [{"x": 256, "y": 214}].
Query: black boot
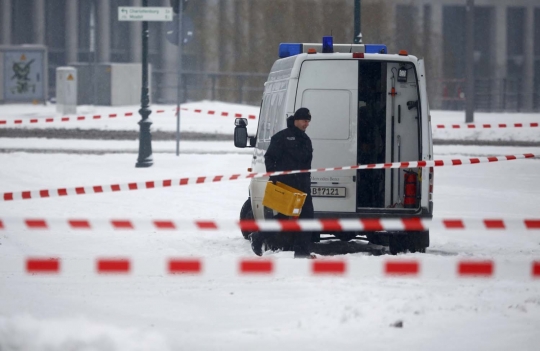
[
  {"x": 302, "y": 245},
  {"x": 257, "y": 242},
  {"x": 303, "y": 252}
]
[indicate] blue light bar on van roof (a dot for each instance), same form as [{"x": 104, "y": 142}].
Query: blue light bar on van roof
[
  {"x": 289, "y": 49},
  {"x": 376, "y": 49},
  {"x": 327, "y": 45},
  {"x": 292, "y": 49}
]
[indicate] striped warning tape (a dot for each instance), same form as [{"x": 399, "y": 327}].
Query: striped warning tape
[
  {"x": 487, "y": 126},
  {"x": 188, "y": 266},
  {"x": 18, "y": 121},
  {"x": 73, "y": 118},
  {"x": 222, "y": 113},
  {"x": 82, "y": 190},
  {"x": 322, "y": 225}
]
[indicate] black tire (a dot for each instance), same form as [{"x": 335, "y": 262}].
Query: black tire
[
  {"x": 412, "y": 241},
  {"x": 246, "y": 212},
  {"x": 418, "y": 241},
  {"x": 378, "y": 238},
  {"x": 398, "y": 244}
]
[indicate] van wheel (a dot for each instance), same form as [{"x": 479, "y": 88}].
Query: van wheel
[
  {"x": 378, "y": 239},
  {"x": 397, "y": 244},
  {"x": 418, "y": 241},
  {"x": 412, "y": 241},
  {"x": 246, "y": 212}
]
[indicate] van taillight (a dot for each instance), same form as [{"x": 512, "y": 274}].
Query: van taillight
[
  {"x": 431, "y": 176},
  {"x": 358, "y": 55}
]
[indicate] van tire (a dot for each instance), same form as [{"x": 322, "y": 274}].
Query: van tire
[
  {"x": 398, "y": 244},
  {"x": 412, "y": 242},
  {"x": 378, "y": 238},
  {"x": 246, "y": 212},
  {"x": 418, "y": 241}
]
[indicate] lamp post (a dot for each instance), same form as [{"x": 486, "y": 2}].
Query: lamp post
[{"x": 145, "y": 138}]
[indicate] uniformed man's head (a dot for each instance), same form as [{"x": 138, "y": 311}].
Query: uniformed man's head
[{"x": 302, "y": 117}]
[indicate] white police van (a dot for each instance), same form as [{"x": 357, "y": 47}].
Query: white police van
[{"x": 367, "y": 107}]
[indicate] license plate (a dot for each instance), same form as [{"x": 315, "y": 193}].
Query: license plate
[{"x": 326, "y": 191}]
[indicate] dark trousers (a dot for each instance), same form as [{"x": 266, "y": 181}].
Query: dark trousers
[{"x": 302, "y": 240}]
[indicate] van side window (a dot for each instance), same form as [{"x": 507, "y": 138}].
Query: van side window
[
  {"x": 272, "y": 113},
  {"x": 280, "y": 110},
  {"x": 264, "y": 118},
  {"x": 273, "y": 108}
]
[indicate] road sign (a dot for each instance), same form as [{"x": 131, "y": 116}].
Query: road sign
[{"x": 130, "y": 13}]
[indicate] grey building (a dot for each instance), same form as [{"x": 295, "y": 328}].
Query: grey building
[
  {"x": 234, "y": 42},
  {"x": 506, "y": 50}
]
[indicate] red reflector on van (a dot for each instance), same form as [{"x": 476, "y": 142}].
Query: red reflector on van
[{"x": 358, "y": 55}]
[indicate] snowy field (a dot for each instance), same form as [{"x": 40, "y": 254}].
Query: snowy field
[{"x": 291, "y": 310}]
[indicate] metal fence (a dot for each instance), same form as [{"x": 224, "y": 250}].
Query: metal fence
[
  {"x": 238, "y": 87},
  {"x": 491, "y": 95}
]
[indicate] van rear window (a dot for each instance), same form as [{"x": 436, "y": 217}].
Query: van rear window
[{"x": 330, "y": 111}]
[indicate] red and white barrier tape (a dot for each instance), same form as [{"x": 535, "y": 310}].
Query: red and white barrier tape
[
  {"x": 214, "y": 112},
  {"x": 429, "y": 267},
  {"x": 73, "y": 118},
  {"x": 222, "y": 113},
  {"x": 487, "y": 126},
  {"x": 322, "y": 225},
  {"x": 116, "y": 115},
  {"x": 82, "y": 190}
]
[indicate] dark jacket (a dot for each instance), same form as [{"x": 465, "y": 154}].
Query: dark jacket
[{"x": 290, "y": 149}]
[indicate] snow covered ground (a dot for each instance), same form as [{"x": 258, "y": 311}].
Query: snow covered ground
[{"x": 151, "y": 310}]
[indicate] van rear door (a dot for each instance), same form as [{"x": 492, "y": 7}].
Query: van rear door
[{"x": 329, "y": 89}]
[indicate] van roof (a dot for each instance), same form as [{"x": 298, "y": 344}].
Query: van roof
[{"x": 292, "y": 49}]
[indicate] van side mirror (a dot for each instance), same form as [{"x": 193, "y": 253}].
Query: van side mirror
[{"x": 240, "y": 132}]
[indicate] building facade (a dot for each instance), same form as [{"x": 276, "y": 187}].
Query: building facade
[{"x": 231, "y": 44}]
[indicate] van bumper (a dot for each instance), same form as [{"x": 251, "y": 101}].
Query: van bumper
[{"x": 378, "y": 213}]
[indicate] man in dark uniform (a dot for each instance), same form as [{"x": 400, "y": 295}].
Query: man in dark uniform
[{"x": 290, "y": 149}]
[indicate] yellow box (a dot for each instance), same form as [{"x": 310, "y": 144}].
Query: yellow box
[{"x": 284, "y": 199}]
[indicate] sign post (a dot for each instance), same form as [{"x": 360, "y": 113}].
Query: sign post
[
  {"x": 179, "y": 33},
  {"x": 357, "y": 22},
  {"x": 469, "y": 62},
  {"x": 145, "y": 14},
  {"x": 179, "y": 79}
]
